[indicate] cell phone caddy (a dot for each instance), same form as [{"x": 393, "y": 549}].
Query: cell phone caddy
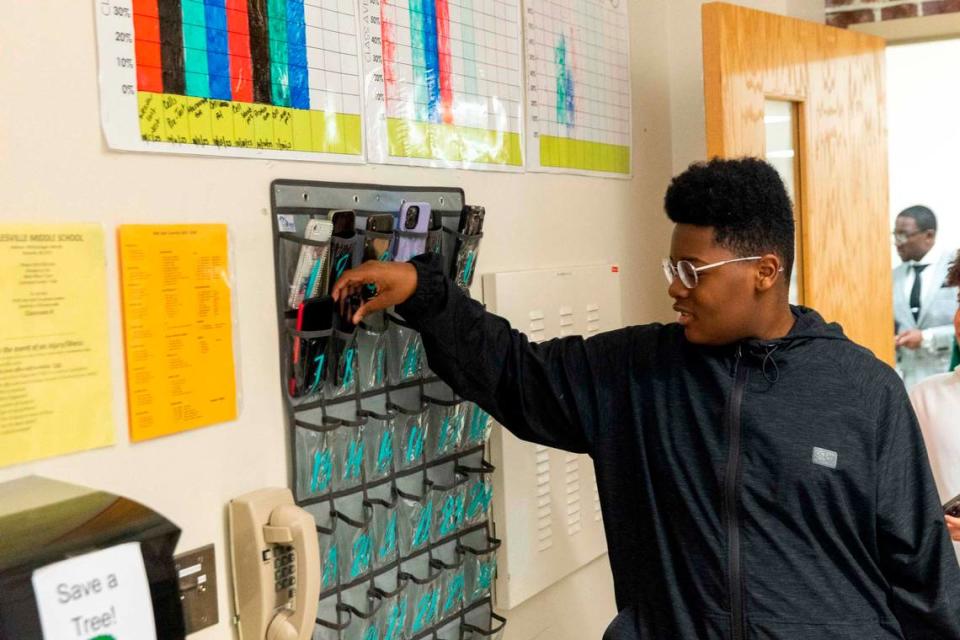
[{"x": 389, "y": 462}]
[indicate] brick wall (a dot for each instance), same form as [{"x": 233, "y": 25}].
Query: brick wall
[{"x": 842, "y": 13}]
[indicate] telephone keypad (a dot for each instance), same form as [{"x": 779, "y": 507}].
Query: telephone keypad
[{"x": 285, "y": 567}]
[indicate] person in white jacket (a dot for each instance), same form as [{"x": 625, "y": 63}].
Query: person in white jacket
[
  {"x": 923, "y": 304},
  {"x": 936, "y": 401}
]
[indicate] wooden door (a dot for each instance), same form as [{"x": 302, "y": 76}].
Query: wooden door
[{"x": 835, "y": 82}]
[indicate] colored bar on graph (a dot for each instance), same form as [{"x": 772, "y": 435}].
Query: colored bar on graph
[
  {"x": 238, "y": 40},
  {"x": 431, "y": 54},
  {"x": 146, "y": 30},
  {"x": 260, "y": 51},
  {"x": 171, "y": 46},
  {"x": 218, "y": 51},
  {"x": 419, "y": 59},
  {"x": 445, "y": 61},
  {"x": 279, "y": 72},
  {"x": 195, "y": 48},
  {"x": 389, "y": 51},
  {"x": 566, "y": 106},
  {"x": 297, "y": 55}
]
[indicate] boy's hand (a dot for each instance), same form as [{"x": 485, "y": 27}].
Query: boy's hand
[
  {"x": 395, "y": 282},
  {"x": 953, "y": 526}
]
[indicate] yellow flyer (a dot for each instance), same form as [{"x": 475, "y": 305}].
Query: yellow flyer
[
  {"x": 178, "y": 329},
  {"x": 55, "y": 395}
]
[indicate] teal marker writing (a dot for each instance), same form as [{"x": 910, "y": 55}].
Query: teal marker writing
[{"x": 322, "y": 468}]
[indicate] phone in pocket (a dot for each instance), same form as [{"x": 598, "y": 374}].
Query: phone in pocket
[
  {"x": 310, "y": 354},
  {"x": 467, "y": 246},
  {"x": 310, "y": 262},
  {"x": 435, "y": 233},
  {"x": 413, "y": 218},
  {"x": 374, "y": 247},
  {"x": 344, "y": 227}
]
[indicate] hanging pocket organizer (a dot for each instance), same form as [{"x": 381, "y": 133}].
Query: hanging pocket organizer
[{"x": 393, "y": 475}]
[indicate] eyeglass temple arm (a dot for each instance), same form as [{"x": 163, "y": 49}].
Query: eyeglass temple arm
[{"x": 720, "y": 264}]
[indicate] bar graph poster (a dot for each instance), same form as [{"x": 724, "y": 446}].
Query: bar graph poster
[
  {"x": 249, "y": 78},
  {"x": 443, "y": 82},
  {"x": 578, "y": 86}
]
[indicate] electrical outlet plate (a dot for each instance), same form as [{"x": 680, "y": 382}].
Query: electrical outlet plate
[{"x": 197, "y": 576}]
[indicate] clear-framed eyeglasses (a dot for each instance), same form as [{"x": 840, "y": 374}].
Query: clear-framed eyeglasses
[{"x": 689, "y": 274}]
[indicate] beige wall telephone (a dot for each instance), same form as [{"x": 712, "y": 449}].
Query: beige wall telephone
[{"x": 276, "y": 566}]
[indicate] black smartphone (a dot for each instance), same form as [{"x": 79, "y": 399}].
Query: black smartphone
[
  {"x": 435, "y": 233},
  {"x": 952, "y": 508},
  {"x": 375, "y": 248},
  {"x": 341, "y": 258},
  {"x": 310, "y": 354},
  {"x": 345, "y": 309},
  {"x": 344, "y": 222},
  {"x": 463, "y": 262},
  {"x": 471, "y": 220},
  {"x": 343, "y": 351}
]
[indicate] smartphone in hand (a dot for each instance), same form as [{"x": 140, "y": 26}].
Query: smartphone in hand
[{"x": 952, "y": 507}]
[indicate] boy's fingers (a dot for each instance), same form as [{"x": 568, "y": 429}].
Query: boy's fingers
[
  {"x": 350, "y": 279},
  {"x": 370, "y": 306}
]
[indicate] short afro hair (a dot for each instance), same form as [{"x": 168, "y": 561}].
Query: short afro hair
[
  {"x": 925, "y": 218},
  {"x": 745, "y": 202}
]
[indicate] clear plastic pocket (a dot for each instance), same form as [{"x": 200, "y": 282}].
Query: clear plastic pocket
[
  {"x": 315, "y": 459},
  {"x": 480, "y": 568},
  {"x": 416, "y": 514},
  {"x": 482, "y": 623},
  {"x": 449, "y": 503},
  {"x": 355, "y": 540},
  {"x": 343, "y": 257},
  {"x": 329, "y": 557},
  {"x": 478, "y": 492},
  {"x": 451, "y": 588},
  {"x": 445, "y": 426},
  {"x": 464, "y": 259},
  {"x": 364, "y": 607},
  {"x": 405, "y": 359},
  {"x": 372, "y": 352},
  {"x": 380, "y": 445},
  {"x": 306, "y": 357},
  {"x": 392, "y": 617},
  {"x": 478, "y": 426},
  {"x": 424, "y": 602},
  {"x": 349, "y": 444},
  {"x": 343, "y": 364},
  {"x": 411, "y": 432},
  {"x": 302, "y": 263},
  {"x": 408, "y": 244},
  {"x": 385, "y": 519}
]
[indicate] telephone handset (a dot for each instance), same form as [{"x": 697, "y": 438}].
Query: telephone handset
[{"x": 276, "y": 566}]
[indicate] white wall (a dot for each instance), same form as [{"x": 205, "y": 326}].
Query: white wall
[
  {"x": 54, "y": 167},
  {"x": 924, "y": 134}
]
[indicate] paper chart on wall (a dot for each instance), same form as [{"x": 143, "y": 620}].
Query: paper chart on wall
[
  {"x": 247, "y": 78},
  {"x": 578, "y": 86},
  {"x": 443, "y": 82},
  {"x": 55, "y": 388}
]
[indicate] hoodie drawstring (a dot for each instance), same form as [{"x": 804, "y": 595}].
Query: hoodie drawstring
[{"x": 768, "y": 358}]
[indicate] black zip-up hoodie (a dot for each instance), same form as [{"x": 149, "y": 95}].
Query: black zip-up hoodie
[{"x": 765, "y": 490}]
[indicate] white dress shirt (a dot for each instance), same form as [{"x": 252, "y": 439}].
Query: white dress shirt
[
  {"x": 937, "y": 403},
  {"x": 926, "y": 281}
]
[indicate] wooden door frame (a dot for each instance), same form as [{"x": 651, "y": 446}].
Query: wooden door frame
[{"x": 837, "y": 127}]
